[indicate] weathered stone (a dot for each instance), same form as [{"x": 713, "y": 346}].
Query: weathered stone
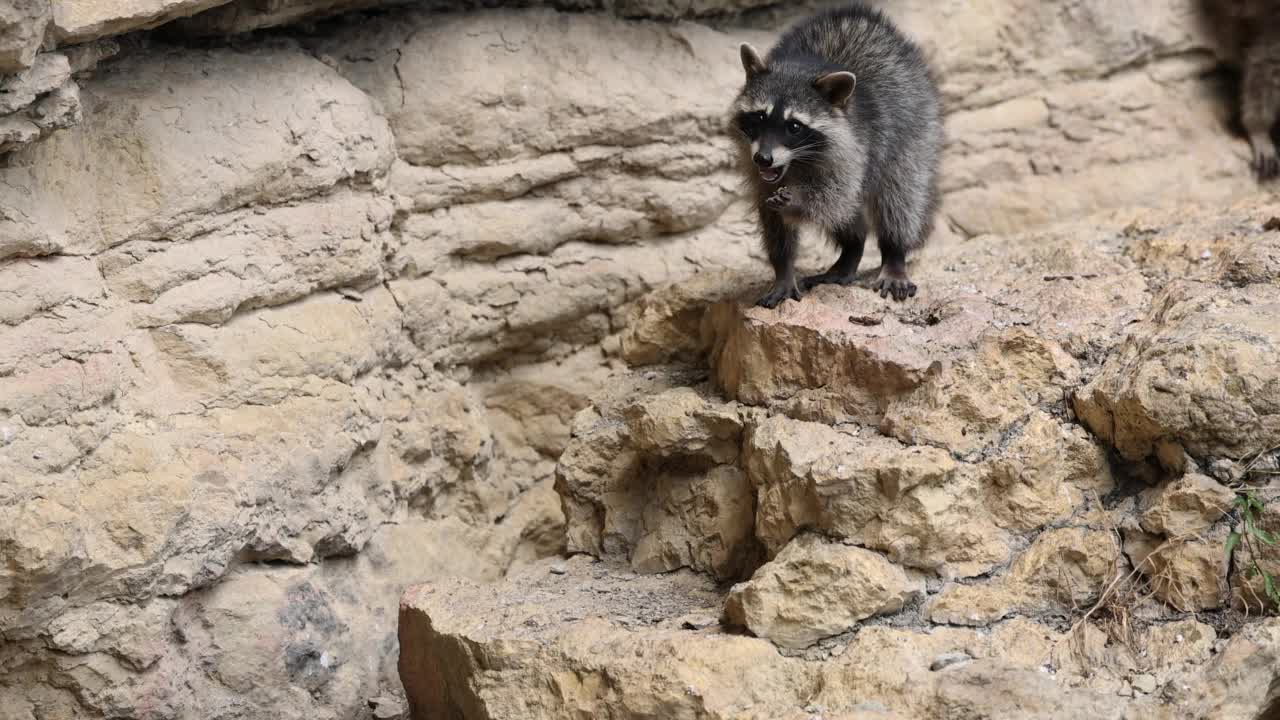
[
  {"x": 1166, "y": 385},
  {"x": 666, "y": 324},
  {"x": 1045, "y": 473},
  {"x": 231, "y": 139},
  {"x": 262, "y": 307},
  {"x": 1187, "y": 573},
  {"x": 915, "y": 504},
  {"x": 22, "y": 24},
  {"x": 1189, "y": 505},
  {"x": 75, "y": 22},
  {"x": 815, "y": 589},
  {"x": 240, "y": 16},
  {"x": 1062, "y": 569},
  {"x": 46, "y": 74},
  {"x": 548, "y": 642},
  {"x": 1175, "y": 644},
  {"x": 1256, "y": 260},
  {"x": 654, "y": 482},
  {"x": 1144, "y": 683},
  {"x": 834, "y": 359}
]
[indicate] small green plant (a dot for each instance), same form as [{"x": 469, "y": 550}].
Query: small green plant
[{"x": 1251, "y": 509}]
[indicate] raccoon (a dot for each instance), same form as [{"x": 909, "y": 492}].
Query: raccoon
[
  {"x": 840, "y": 127},
  {"x": 1248, "y": 32}
]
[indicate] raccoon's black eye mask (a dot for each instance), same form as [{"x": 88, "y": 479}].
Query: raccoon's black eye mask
[{"x": 751, "y": 123}]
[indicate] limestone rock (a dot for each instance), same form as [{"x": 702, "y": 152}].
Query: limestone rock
[
  {"x": 1062, "y": 569},
  {"x": 815, "y": 589},
  {"x": 1165, "y": 386},
  {"x": 833, "y": 360},
  {"x": 75, "y": 22},
  {"x": 666, "y": 324},
  {"x": 522, "y": 234},
  {"x": 38, "y": 101},
  {"x": 1045, "y": 473},
  {"x": 22, "y": 24},
  {"x": 931, "y": 370},
  {"x": 915, "y": 504},
  {"x": 599, "y": 641},
  {"x": 973, "y": 403},
  {"x": 288, "y": 324},
  {"x": 226, "y": 150},
  {"x": 46, "y": 74},
  {"x": 240, "y": 16},
  {"x": 1246, "y": 665},
  {"x": 1179, "y": 643},
  {"x": 1253, "y": 262},
  {"x": 1188, "y": 505},
  {"x": 654, "y": 481},
  {"x": 1188, "y": 574}
]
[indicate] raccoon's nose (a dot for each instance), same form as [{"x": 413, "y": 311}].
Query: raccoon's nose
[{"x": 763, "y": 159}]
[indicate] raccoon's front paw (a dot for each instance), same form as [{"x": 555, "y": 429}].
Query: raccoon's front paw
[
  {"x": 780, "y": 200},
  {"x": 893, "y": 284},
  {"x": 777, "y": 294}
]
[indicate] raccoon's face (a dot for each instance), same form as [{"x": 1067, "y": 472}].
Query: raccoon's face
[{"x": 786, "y": 115}]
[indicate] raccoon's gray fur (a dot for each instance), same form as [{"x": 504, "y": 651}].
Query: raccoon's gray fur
[
  {"x": 1248, "y": 33},
  {"x": 840, "y": 124}
]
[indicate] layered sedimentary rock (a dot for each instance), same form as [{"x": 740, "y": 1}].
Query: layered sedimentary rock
[
  {"x": 879, "y": 480},
  {"x": 290, "y": 322}
]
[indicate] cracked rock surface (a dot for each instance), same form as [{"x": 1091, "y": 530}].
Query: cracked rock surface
[{"x": 292, "y": 321}]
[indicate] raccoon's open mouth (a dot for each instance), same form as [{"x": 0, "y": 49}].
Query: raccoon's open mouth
[{"x": 773, "y": 175}]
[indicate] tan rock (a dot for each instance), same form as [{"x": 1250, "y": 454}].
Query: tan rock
[
  {"x": 1240, "y": 682},
  {"x": 247, "y": 148},
  {"x": 239, "y": 16},
  {"x": 973, "y": 403},
  {"x": 37, "y": 101},
  {"x": 1255, "y": 261},
  {"x": 302, "y": 313},
  {"x": 548, "y": 642},
  {"x": 915, "y": 504},
  {"x": 1173, "y": 645},
  {"x": 1166, "y": 384},
  {"x": 75, "y": 21},
  {"x": 258, "y": 258},
  {"x": 666, "y": 324},
  {"x": 815, "y": 589},
  {"x": 1063, "y": 569},
  {"x": 654, "y": 481},
  {"x": 1188, "y": 574},
  {"x": 22, "y": 24},
  {"x": 1189, "y": 505},
  {"x": 844, "y": 357},
  {"x": 1046, "y": 472}
]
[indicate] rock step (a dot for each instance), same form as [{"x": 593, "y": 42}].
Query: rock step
[{"x": 578, "y": 639}]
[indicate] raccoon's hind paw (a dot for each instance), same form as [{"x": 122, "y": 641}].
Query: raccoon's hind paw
[
  {"x": 1266, "y": 164},
  {"x": 777, "y": 294},
  {"x": 892, "y": 284}
]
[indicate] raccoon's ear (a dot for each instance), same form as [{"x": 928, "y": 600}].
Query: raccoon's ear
[
  {"x": 837, "y": 87},
  {"x": 751, "y": 61}
]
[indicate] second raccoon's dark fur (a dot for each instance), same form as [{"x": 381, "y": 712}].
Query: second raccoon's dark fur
[
  {"x": 845, "y": 108},
  {"x": 1248, "y": 33}
]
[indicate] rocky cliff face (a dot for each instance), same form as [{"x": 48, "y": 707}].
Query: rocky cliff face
[{"x": 293, "y": 320}]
